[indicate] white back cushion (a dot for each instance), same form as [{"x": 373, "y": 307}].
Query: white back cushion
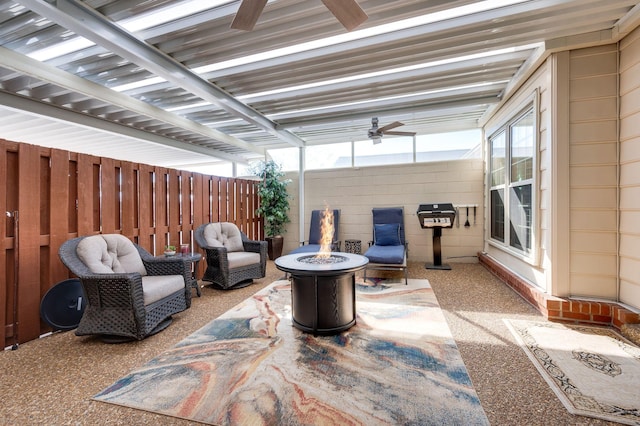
[
  {"x": 110, "y": 253},
  {"x": 223, "y": 234}
]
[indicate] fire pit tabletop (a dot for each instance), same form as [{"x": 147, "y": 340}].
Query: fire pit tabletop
[{"x": 302, "y": 263}]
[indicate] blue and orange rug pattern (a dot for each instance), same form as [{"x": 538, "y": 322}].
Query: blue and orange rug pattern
[{"x": 398, "y": 365}]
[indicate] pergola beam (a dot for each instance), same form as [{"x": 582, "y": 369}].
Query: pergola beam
[
  {"x": 22, "y": 103},
  {"x": 83, "y": 20},
  {"x": 27, "y": 66}
]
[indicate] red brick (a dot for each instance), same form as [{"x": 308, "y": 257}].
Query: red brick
[
  {"x": 576, "y": 316},
  {"x": 628, "y": 317},
  {"x": 605, "y": 309},
  {"x": 602, "y": 319},
  {"x": 553, "y": 304}
]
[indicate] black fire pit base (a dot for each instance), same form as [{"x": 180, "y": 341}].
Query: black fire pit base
[
  {"x": 323, "y": 305},
  {"x": 323, "y": 294}
]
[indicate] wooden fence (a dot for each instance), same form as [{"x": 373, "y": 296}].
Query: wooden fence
[{"x": 48, "y": 196}]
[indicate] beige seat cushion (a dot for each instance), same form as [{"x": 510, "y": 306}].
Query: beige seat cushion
[
  {"x": 224, "y": 234},
  {"x": 156, "y": 287},
  {"x": 242, "y": 258},
  {"x": 110, "y": 253}
]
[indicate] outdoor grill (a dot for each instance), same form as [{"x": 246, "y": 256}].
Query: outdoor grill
[{"x": 436, "y": 217}]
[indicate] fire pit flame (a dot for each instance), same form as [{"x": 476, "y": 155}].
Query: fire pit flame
[{"x": 326, "y": 234}]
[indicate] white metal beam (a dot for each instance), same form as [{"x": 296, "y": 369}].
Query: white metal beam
[
  {"x": 85, "y": 21},
  {"x": 45, "y": 72},
  {"x": 40, "y": 108}
]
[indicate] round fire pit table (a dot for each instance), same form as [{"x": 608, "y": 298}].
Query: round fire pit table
[{"x": 323, "y": 291}]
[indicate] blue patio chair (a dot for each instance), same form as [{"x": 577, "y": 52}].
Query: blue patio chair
[
  {"x": 388, "y": 250},
  {"x": 315, "y": 233}
]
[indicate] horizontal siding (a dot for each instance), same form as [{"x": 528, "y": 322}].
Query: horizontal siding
[
  {"x": 630, "y": 169},
  {"x": 593, "y": 163}
]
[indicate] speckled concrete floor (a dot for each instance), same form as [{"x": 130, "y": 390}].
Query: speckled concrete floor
[{"x": 50, "y": 381}]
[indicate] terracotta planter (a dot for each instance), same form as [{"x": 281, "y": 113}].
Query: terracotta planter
[{"x": 274, "y": 247}]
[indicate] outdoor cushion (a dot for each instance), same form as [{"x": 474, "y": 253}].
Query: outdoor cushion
[
  {"x": 244, "y": 258},
  {"x": 387, "y": 234},
  {"x": 386, "y": 254},
  {"x": 112, "y": 253},
  {"x": 307, "y": 248},
  {"x": 157, "y": 287},
  {"x": 224, "y": 234}
]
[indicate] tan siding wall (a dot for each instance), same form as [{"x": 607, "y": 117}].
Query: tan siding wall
[
  {"x": 536, "y": 271},
  {"x": 593, "y": 171},
  {"x": 590, "y": 120},
  {"x": 630, "y": 169},
  {"x": 355, "y": 191}
]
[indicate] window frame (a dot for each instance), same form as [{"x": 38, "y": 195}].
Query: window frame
[{"x": 529, "y": 255}]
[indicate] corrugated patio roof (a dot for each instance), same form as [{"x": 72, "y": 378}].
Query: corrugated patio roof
[{"x": 169, "y": 83}]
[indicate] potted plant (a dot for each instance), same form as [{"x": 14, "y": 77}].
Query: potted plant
[{"x": 274, "y": 203}]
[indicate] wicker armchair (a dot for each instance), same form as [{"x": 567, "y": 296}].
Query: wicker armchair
[
  {"x": 130, "y": 293},
  {"x": 233, "y": 260}
]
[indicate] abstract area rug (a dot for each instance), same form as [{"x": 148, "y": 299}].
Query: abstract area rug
[
  {"x": 594, "y": 371},
  {"x": 398, "y": 365}
]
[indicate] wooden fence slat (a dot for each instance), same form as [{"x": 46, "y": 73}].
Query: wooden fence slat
[
  {"x": 59, "y": 232},
  {"x": 108, "y": 189},
  {"x": 28, "y": 242},
  {"x": 146, "y": 228},
  {"x": 129, "y": 196},
  {"x": 6, "y": 286}
]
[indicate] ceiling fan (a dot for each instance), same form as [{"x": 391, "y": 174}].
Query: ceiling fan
[
  {"x": 376, "y": 133},
  {"x": 348, "y": 12}
]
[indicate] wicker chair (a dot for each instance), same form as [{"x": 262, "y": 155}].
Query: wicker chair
[
  {"x": 233, "y": 260},
  {"x": 130, "y": 293}
]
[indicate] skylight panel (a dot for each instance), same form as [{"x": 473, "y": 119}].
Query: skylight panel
[
  {"x": 192, "y": 6},
  {"x": 134, "y": 24},
  {"x": 390, "y": 71},
  {"x": 360, "y": 34},
  {"x": 388, "y": 98},
  {"x": 168, "y": 14},
  {"x": 60, "y": 49}
]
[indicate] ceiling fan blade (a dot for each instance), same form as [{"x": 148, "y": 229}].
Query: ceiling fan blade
[
  {"x": 391, "y": 126},
  {"x": 248, "y": 14},
  {"x": 348, "y": 12},
  {"x": 400, "y": 133}
]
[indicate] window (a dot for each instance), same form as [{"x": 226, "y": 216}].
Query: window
[
  {"x": 328, "y": 156},
  {"x": 288, "y": 158},
  {"x": 511, "y": 180},
  {"x": 448, "y": 146},
  {"x": 389, "y": 151}
]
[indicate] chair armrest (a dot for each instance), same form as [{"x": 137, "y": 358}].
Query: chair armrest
[
  {"x": 255, "y": 246},
  {"x": 216, "y": 255},
  {"x": 167, "y": 266},
  {"x": 100, "y": 289}
]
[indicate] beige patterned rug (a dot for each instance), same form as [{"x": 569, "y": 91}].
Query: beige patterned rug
[
  {"x": 594, "y": 371},
  {"x": 398, "y": 365}
]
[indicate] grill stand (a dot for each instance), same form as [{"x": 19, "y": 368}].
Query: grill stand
[{"x": 437, "y": 253}]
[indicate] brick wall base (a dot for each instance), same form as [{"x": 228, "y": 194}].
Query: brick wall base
[{"x": 565, "y": 310}]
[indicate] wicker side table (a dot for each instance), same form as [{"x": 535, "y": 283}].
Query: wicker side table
[{"x": 353, "y": 246}]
